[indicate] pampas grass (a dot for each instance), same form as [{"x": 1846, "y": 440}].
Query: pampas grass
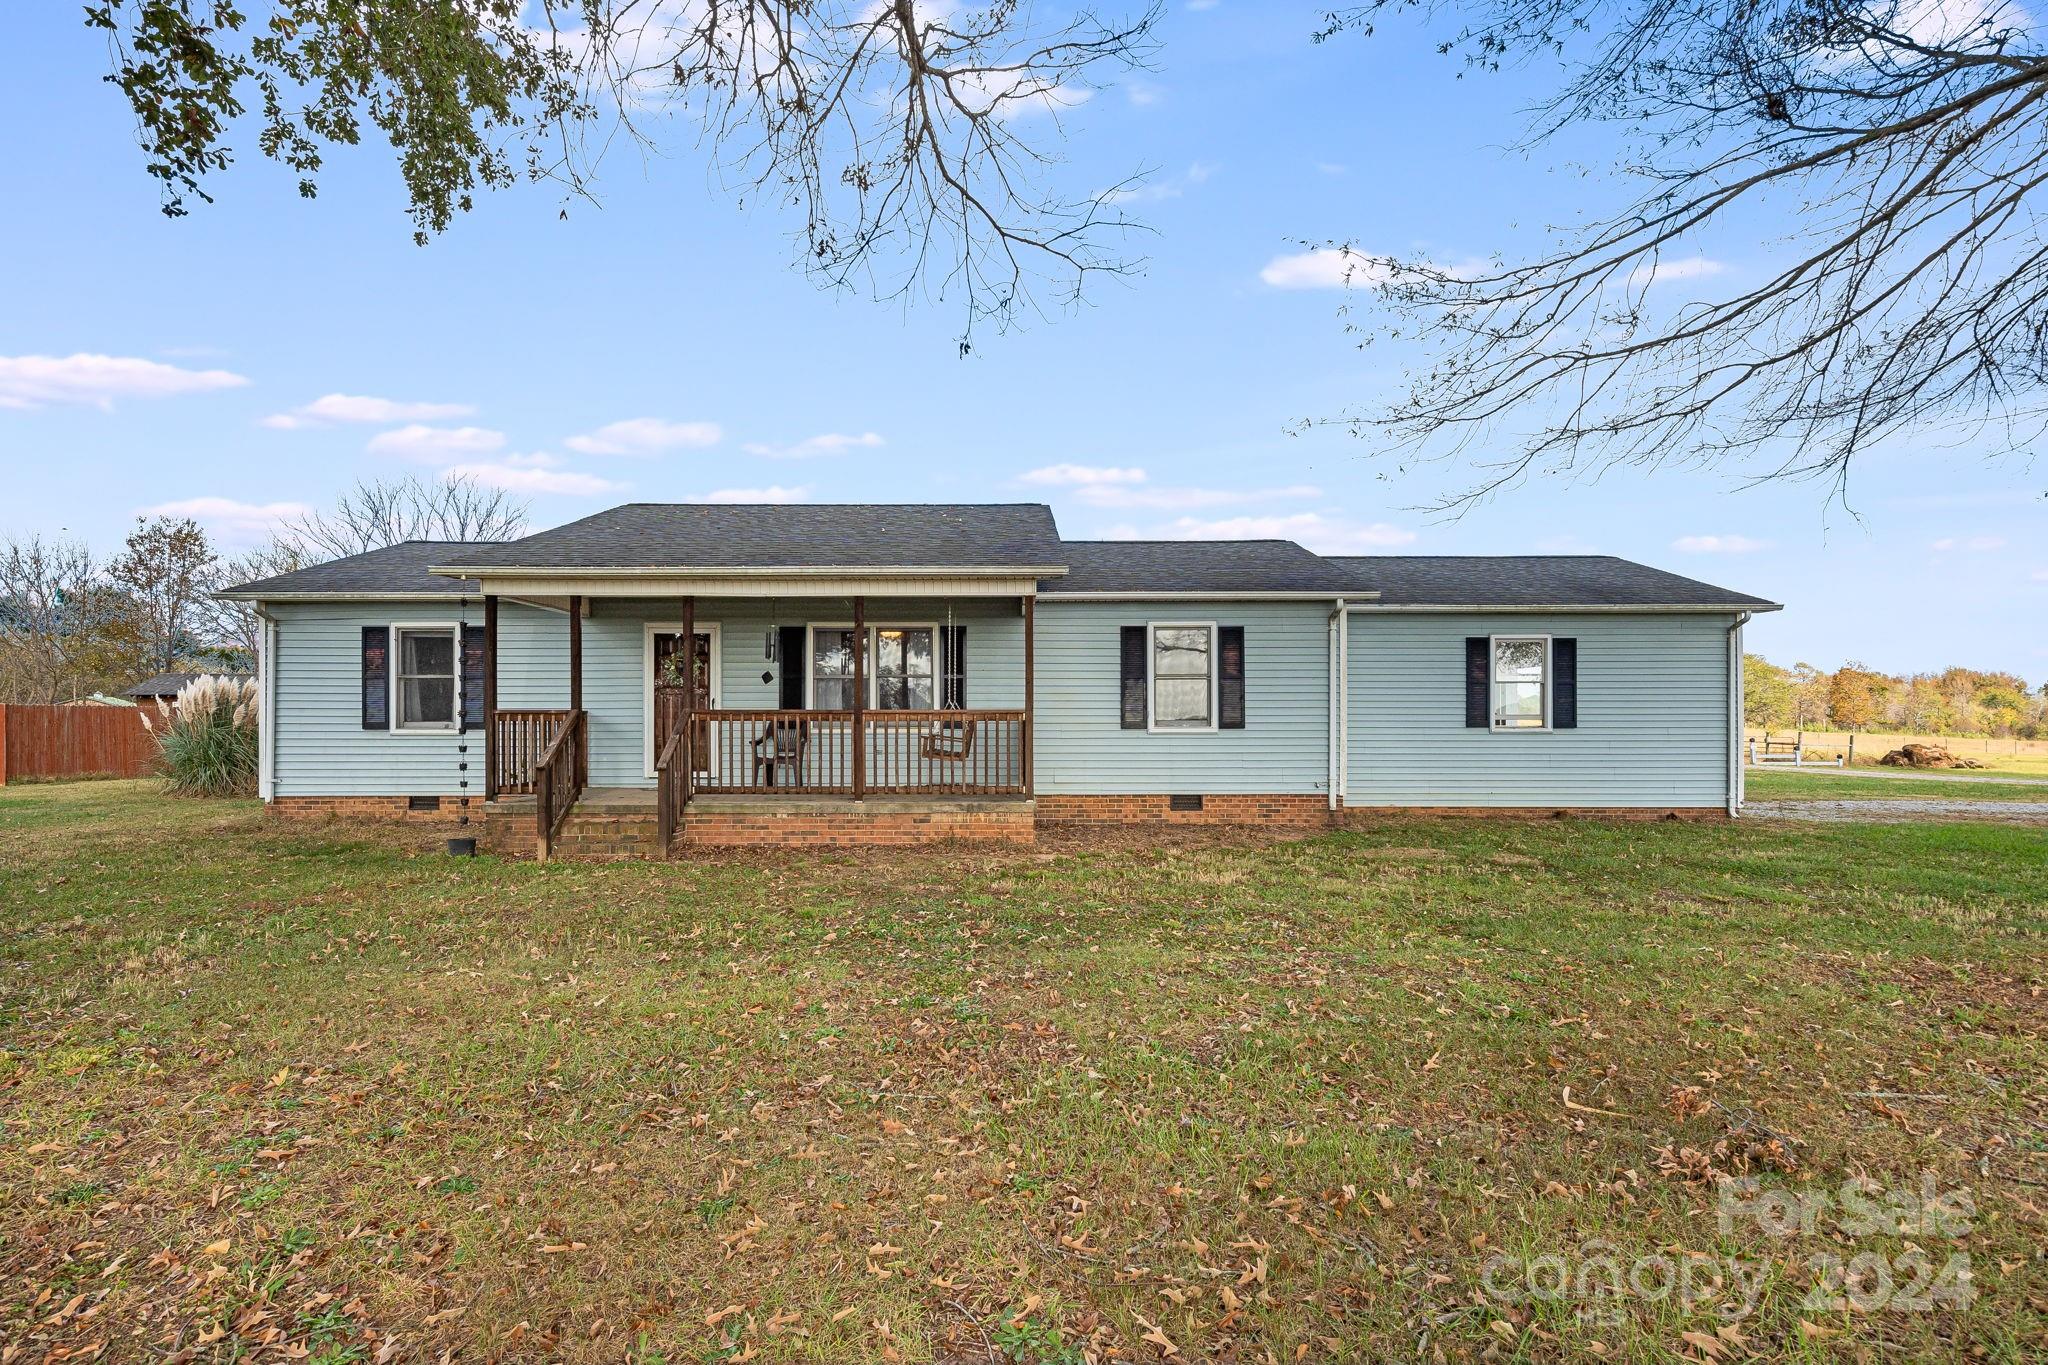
[{"x": 206, "y": 737}]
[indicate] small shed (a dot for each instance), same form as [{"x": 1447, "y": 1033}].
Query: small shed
[{"x": 165, "y": 687}]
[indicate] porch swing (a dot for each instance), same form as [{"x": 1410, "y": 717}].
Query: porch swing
[{"x": 950, "y": 741}]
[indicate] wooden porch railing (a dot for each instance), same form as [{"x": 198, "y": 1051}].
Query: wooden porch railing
[
  {"x": 559, "y": 778},
  {"x": 675, "y": 783},
  {"x": 521, "y": 738},
  {"x": 814, "y": 753}
]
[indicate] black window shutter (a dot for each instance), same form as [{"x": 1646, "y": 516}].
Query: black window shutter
[
  {"x": 1230, "y": 678},
  {"x": 376, "y": 677},
  {"x": 1564, "y": 683},
  {"x": 472, "y": 677},
  {"x": 953, "y": 683},
  {"x": 1478, "y": 677},
  {"x": 1134, "y": 678},
  {"x": 789, "y": 645}
]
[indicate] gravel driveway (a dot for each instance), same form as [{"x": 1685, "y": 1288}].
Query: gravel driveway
[{"x": 1900, "y": 812}]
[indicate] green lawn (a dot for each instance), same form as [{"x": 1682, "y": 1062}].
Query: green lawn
[
  {"x": 1826, "y": 786},
  {"x": 325, "y": 1094}
]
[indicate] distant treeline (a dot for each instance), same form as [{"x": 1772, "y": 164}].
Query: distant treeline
[{"x": 1955, "y": 701}]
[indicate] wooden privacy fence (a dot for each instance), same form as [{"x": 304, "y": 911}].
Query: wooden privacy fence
[{"x": 69, "y": 741}]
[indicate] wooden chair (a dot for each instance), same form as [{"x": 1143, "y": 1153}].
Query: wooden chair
[{"x": 780, "y": 745}]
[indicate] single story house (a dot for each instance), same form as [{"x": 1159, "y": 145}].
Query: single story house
[{"x": 662, "y": 675}]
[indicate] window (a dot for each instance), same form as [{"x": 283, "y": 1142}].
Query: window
[
  {"x": 903, "y": 668},
  {"x": 427, "y": 682},
  {"x": 902, "y": 672},
  {"x": 831, "y": 669},
  {"x": 1521, "y": 680},
  {"x": 1183, "y": 677}
]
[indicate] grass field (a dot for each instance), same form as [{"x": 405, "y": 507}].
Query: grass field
[
  {"x": 2009, "y": 757},
  {"x": 1826, "y": 785},
  {"x": 324, "y": 1094}
]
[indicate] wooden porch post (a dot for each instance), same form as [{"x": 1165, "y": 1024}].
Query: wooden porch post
[
  {"x": 490, "y": 697},
  {"x": 860, "y": 698},
  {"x": 576, "y": 669},
  {"x": 1030, "y": 688},
  {"x": 688, "y": 717}
]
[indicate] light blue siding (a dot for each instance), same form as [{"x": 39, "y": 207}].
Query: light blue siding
[
  {"x": 1083, "y": 749},
  {"x": 322, "y": 749},
  {"x": 1653, "y": 715}
]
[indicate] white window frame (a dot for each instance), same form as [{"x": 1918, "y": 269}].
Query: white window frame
[
  {"x": 1549, "y": 684},
  {"x": 1152, "y": 725},
  {"x": 453, "y": 629},
  {"x": 811, "y": 654},
  {"x": 712, "y": 689}
]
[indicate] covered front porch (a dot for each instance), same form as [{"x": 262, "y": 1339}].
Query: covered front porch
[{"x": 829, "y": 717}]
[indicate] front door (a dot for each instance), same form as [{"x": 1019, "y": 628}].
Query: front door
[{"x": 669, "y": 680}]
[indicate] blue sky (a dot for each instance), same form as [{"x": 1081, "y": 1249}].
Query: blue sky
[{"x": 518, "y": 342}]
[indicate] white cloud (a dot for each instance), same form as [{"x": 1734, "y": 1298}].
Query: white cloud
[
  {"x": 1323, "y": 534},
  {"x": 1144, "y": 93},
  {"x": 31, "y": 381},
  {"x": 1066, "y": 474},
  {"x": 233, "y": 523},
  {"x": 1332, "y": 167},
  {"x": 2040, "y": 575},
  {"x": 418, "y": 442},
  {"x": 1203, "y": 4},
  {"x": 1326, "y": 268},
  {"x": 535, "y": 473},
  {"x": 1173, "y": 187},
  {"x": 828, "y": 443},
  {"x": 343, "y": 407},
  {"x": 1947, "y": 543},
  {"x": 1666, "y": 272},
  {"x": 1718, "y": 545},
  {"x": 773, "y": 493},
  {"x": 646, "y": 436}
]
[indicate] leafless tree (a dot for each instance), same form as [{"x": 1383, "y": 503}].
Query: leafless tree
[
  {"x": 64, "y": 630},
  {"x": 382, "y": 512},
  {"x": 233, "y": 627},
  {"x": 903, "y": 133},
  {"x": 1894, "y": 149}
]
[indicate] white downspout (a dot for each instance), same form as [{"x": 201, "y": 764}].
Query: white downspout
[
  {"x": 1344, "y": 703},
  {"x": 1336, "y": 681},
  {"x": 1735, "y": 714},
  {"x": 266, "y": 682}
]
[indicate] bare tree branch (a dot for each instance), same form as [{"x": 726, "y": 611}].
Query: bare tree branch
[
  {"x": 1898, "y": 145},
  {"x": 900, "y": 132}
]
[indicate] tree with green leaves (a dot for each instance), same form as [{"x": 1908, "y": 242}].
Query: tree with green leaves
[
  {"x": 167, "y": 570},
  {"x": 888, "y": 126}
]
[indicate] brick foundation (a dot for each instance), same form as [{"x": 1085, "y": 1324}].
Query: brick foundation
[
  {"x": 1292, "y": 809},
  {"x": 805, "y": 824},
  {"x": 369, "y": 808}
]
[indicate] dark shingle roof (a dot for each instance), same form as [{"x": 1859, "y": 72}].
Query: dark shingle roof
[
  {"x": 394, "y": 569},
  {"x": 1204, "y": 566},
  {"x": 170, "y": 684},
  {"x": 1530, "y": 581},
  {"x": 649, "y": 535}
]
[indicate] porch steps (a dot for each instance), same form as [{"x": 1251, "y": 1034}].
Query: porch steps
[{"x": 611, "y": 823}]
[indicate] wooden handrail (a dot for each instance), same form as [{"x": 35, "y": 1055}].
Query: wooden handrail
[
  {"x": 558, "y": 779},
  {"x": 674, "y": 780},
  {"x": 520, "y": 737}
]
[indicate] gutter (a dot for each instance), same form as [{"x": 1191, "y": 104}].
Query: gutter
[
  {"x": 1735, "y": 713},
  {"x": 1461, "y": 608},
  {"x": 750, "y": 570}
]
